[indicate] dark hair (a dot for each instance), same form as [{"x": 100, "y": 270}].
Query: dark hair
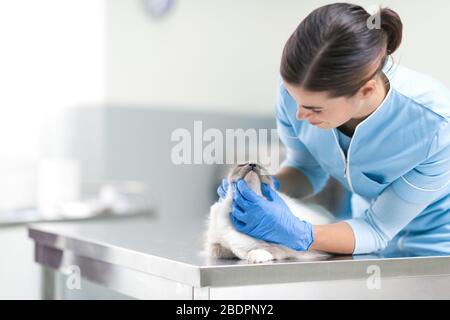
[{"x": 335, "y": 49}]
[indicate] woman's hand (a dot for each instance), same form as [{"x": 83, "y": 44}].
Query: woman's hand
[
  {"x": 222, "y": 189},
  {"x": 270, "y": 220}
]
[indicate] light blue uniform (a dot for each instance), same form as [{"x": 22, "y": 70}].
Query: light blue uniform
[{"x": 397, "y": 164}]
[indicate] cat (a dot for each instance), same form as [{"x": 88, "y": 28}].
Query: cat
[{"x": 223, "y": 241}]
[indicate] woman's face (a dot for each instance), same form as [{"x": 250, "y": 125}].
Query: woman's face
[{"x": 324, "y": 112}]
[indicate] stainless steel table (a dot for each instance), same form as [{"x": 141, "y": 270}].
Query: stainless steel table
[{"x": 146, "y": 258}]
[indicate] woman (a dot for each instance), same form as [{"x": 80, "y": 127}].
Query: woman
[{"x": 382, "y": 130}]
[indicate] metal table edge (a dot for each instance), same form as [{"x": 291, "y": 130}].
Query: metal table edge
[{"x": 41, "y": 237}]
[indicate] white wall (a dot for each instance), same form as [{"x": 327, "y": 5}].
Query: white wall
[
  {"x": 51, "y": 58},
  {"x": 224, "y": 55}
]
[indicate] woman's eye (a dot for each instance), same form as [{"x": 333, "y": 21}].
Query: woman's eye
[{"x": 317, "y": 111}]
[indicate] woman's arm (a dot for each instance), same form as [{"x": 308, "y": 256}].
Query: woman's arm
[
  {"x": 293, "y": 182},
  {"x": 334, "y": 238},
  {"x": 371, "y": 232}
]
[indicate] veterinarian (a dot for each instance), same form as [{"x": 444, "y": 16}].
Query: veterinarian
[{"x": 346, "y": 110}]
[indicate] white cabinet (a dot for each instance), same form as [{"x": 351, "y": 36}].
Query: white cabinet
[{"x": 20, "y": 276}]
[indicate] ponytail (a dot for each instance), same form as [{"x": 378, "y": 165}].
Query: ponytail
[{"x": 392, "y": 25}]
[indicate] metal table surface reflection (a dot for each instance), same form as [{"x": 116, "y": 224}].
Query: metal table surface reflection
[{"x": 109, "y": 252}]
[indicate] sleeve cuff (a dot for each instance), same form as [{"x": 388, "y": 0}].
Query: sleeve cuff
[{"x": 364, "y": 241}]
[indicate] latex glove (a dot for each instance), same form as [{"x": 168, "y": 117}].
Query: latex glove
[
  {"x": 222, "y": 189},
  {"x": 269, "y": 220}
]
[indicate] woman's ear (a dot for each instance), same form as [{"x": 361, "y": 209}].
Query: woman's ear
[{"x": 367, "y": 89}]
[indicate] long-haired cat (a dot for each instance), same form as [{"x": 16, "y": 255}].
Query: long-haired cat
[{"x": 223, "y": 241}]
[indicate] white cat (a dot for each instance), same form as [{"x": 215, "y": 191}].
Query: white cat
[{"x": 225, "y": 242}]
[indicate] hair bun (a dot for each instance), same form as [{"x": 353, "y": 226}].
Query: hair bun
[{"x": 393, "y": 26}]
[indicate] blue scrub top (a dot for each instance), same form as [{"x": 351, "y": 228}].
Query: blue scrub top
[{"x": 397, "y": 164}]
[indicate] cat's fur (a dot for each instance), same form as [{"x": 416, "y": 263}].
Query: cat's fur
[{"x": 224, "y": 241}]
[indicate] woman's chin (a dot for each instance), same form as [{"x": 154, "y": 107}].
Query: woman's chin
[{"x": 323, "y": 125}]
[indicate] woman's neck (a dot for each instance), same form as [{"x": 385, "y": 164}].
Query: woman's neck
[{"x": 373, "y": 103}]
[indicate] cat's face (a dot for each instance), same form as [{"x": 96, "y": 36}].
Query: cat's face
[{"x": 253, "y": 174}]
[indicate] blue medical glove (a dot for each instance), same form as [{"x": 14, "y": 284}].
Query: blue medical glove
[
  {"x": 270, "y": 220},
  {"x": 222, "y": 189}
]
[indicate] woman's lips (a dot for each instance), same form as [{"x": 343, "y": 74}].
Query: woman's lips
[{"x": 315, "y": 123}]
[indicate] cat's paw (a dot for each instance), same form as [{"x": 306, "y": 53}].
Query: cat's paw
[{"x": 259, "y": 256}]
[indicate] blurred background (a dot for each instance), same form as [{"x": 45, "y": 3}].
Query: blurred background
[{"x": 91, "y": 90}]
